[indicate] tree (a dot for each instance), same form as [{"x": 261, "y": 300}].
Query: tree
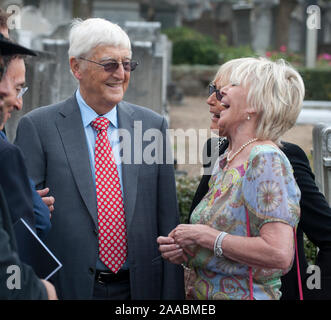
[{"x": 283, "y": 19}]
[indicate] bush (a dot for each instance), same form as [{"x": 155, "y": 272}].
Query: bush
[
  {"x": 228, "y": 52},
  {"x": 317, "y": 82},
  {"x": 186, "y": 188},
  {"x": 192, "y": 47}
]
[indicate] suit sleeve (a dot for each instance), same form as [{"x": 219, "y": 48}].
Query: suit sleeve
[
  {"x": 15, "y": 184},
  {"x": 168, "y": 219},
  {"x": 41, "y": 211},
  {"x": 29, "y": 285},
  {"x": 28, "y": 139},
  {"x": 315, "y": 218},
  {"x": 31, "y": 142}
]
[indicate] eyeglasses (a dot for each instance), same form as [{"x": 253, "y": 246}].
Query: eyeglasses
[
  {"x": 21, "y": 92},
  {"x": 212, "y": 88},
  {"x": 112, "y": 66}
]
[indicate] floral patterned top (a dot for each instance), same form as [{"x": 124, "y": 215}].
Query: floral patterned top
[{"x": 265, "y": 185}]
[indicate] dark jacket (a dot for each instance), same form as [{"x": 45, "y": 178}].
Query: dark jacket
[
  {"x": 315, "y": 221},
  {"x": 30, "y": 285}
]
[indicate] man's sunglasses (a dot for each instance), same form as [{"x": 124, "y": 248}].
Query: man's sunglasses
[
  {"x": 212, "y": 88},
  {"x": 128, "y": 66}
]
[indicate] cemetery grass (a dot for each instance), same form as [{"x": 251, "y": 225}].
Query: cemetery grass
[{"x": 193, "y": 112}]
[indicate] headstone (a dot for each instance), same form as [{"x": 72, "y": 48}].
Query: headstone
[
  {"x": 241, "y": 24},
  {"x": 322, "y": 158},
  {"x": 261, "y": 26},
  {"x": 296, "y": 31},
  {"x": 57, "y": 12},
  {"x": 116, "y": 11},
  {"x": 148, "y": 84}
]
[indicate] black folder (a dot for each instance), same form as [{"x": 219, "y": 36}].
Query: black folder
[{"x": 34, "y": 252}]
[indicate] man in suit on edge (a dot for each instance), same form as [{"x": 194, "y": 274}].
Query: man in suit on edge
[
  {"x": 28, "y": 286},
  {"x": 73, "y": 147}
]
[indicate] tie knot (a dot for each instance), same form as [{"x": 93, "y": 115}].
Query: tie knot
[{"x": 100, "y": 123}]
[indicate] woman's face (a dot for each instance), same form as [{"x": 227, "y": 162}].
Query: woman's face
[
  {"x": 233, "y": 109},
  {"x": 215, "y": 108}
]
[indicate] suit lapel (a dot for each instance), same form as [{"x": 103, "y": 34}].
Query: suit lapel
[
  {"x": 72, "y": 133},
  {"x": 129, "y": 171}
]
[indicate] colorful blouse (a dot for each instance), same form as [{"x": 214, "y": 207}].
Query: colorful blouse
[{"x": 265, "y": 185}]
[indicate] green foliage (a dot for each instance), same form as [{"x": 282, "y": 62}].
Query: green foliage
[
  {"x": 228, "y": 52},
  {"x": 291, "y": 57},
  {"x": 310, "y": 250},
  {"x": 317, "y": 82},
  {"x": 192, "y": 47},
  {"x": 186, "y": 188}
]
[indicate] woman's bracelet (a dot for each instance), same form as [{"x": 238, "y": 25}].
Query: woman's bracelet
[{"x": 218, "y": 251}]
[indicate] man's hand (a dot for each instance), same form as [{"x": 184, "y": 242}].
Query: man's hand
[
  {"x": 171, "y": 251},
  {"x": 50, "y": 290},
  {"x": 49, "y": 201}
]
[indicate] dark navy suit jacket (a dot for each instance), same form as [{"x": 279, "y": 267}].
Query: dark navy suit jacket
[
  {"x": 20, "y": 191},
  {"x": 31, "y": 286}
]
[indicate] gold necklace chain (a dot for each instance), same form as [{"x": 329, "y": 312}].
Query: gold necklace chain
[{"x": 229, "y": 159}]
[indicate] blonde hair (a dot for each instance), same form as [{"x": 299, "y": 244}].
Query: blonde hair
[
  {"x": 87, "y": 34},
  {"x": 275, "y": 91}
]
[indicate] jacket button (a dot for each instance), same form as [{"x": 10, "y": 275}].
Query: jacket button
[{"x": 91, "y": 270}]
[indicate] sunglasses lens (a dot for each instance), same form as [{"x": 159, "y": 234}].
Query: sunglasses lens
[
  {"x": 111, "y": 66},
  {"x": 211, "y": 89},
  {"x": 218, "y": 95},
  {"x": 129, "y": 65}
]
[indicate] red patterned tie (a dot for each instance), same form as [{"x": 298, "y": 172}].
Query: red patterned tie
[{"x": 112, "y": 228}]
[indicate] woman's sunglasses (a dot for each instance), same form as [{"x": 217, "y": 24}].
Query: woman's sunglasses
[{"x": 212, "y": 88}]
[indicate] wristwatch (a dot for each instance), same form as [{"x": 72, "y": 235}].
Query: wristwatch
[{"x": 218, "y": 251}]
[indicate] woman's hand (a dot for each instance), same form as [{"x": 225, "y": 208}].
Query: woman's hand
[
  {"x": 171, "y": 251},
  {"x": 194, "y": 234}
]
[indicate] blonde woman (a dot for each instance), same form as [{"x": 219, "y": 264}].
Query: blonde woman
[{"x": 240, "y": 238}]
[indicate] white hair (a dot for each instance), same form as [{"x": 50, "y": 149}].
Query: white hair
[
  {"x": 87, "y": 34},
  {"x": 275, "y": 91}
]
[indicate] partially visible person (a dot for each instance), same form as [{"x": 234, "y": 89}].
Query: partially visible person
[
  {"x": 12, "y": 87},
  {"x": 15, "y": 79},
  {"x": 240, "y": 240},
  {"x": 30, "y": 286}
]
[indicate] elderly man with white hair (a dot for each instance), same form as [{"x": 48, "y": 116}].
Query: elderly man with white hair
[{"x": 111, "y": 204}]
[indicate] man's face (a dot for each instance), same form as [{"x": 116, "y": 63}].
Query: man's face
[
  {"x": 100, "y": 89},
  {"x": 11, "y": 84}
]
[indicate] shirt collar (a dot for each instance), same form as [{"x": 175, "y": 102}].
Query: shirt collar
[{"x": 88, "y": 114}]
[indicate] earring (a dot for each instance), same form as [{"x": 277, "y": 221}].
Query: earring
[{"x": 248, "y": 117}]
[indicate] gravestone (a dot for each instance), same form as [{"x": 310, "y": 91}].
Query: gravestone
[
  {"x": 148, "y": 84},
  {"x": 57, "y": 12},
  {"x": 261, "y": 26},
  {"x": 241, "y": 24},
  {"x": 322, "y": 158},
  {"x": 116, "y": 11}
]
